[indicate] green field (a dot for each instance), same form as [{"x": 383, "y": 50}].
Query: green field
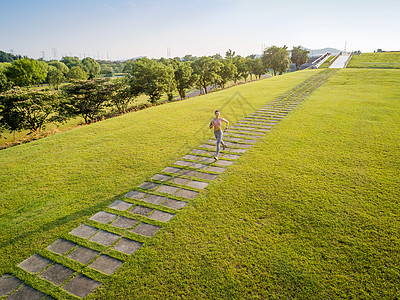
[
  {"x": 310, "y": 212},
  {"x": 381, "y": 60}
]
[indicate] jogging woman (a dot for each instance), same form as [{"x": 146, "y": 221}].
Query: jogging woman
[{"x": 217, "y": 124}]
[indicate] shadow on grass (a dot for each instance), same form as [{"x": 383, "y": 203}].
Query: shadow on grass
[{"x": 63, "y": 220}]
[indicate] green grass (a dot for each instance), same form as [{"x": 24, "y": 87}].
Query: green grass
[
  {"x": 381, "y": 60},
  {"x": 327, "y": 63},
  {"x": 49, "y": 186},
  {"x": 310, "y": 212}
]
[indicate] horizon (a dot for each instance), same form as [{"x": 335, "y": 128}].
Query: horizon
[{"x": 125, "y": 29}]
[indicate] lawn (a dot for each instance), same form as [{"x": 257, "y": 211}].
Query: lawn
[
  {"x": 310, "y": 212},
  {"x": 381, "y": 60},
  {"x": 49, "y": 186}
]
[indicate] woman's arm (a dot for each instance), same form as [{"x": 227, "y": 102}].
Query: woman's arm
[
  {"x": 227, "y": 124},
  {"x": 211, "y": 123}
]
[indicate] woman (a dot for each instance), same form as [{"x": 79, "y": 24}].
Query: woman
[{"x": 217, "y": 124}]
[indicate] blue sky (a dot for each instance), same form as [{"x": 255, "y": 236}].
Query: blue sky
[{"x": 123, "y": 29}]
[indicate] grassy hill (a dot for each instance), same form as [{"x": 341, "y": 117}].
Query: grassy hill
[
  {"x": 382, "y": 60},
  {"x": 310, "y": 212},
  {"x": 50, "y": 185}
]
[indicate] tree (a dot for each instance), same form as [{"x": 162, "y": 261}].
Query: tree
[
  {"x": 122, "y": 96},
  {"x": 55, "y": 77},
  {"x": 151, "y": 78},
  {"x": 91, "y": 67},
  {"x": 76, "y": 73},
  {"x": 70, "y": 61},
  {"x": 60, "y": 66},
  {"x": 8, "y": 57},
  {"x": 258, "y": 68},
  {"x": 27, "y": 109},
  {"x": 4, "y": 83},
  {"x": 188, "y": 57},
  {"x": 229, "y": 54},
  {"x": 276, "y": 58},
  {"x": 207, "y": 70},
  {"x": 87, "y": 98},
  {"x": 184, "y": 78},
  {"x": 227, "y": 72},
  {"x": 242, "y": 69},
  {"x": 299, "y": 56},
  {"x": 26, "y": 72}
]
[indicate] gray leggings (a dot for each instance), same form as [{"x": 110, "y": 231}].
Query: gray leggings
[{"x": 218, "y": 135}]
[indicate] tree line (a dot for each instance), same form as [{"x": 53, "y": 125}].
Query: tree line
[{"x": 25, "y": 107}]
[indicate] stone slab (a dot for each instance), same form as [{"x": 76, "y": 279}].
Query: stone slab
[
  {"x": 161, "y": 177},
  {"x": 216, "y": 169},
  {"x": 8, "y": 283},
  {"x": 231, "y": 156},
  {"x": 191, "y": 157},
  {"x": 223, "y": 162},
  {"x": 26, "y": 292},
  {"x": 61, "y": 246},
  {"x": 145, "y": 229},
  {"x": 149, "y": 185},
  {"x": 161, "y": 216},
  {"x": 167, "y": 189},
  {"x": 178, "y": 180},
  {"x": 127, "y": 246},
  {"x": 249, "y": 141},
  {"x": 171, "y": 170},
  {"x": 106, "y": 264},
  {"x": 207, "y": 146},
  {"x": 83, "y": 255},
  {"x": 206, "y": 160},
  {"x": 103, "y": 217},
  {"x": 233, "y": 139},
  {"x": 186, "y": 194},
  {"x": 84, "y": 231},
  {"x": 81, "y": 286},
  {"x": 197, "y": 184},
  {"x": 198, "y": 151},
  {"x": 120, "y": 205},
  {"x": 35, "y": 263},
  {"x": 57, "y": 274},
  {"x": 155, "y": 199},
  {"x": 244, "y": 146},
  {"x": 189, "y": 173},
  {"x": 183, "y": 163},
  {"x": 105, "y": 238},
  {"x": 136, "y": 195},
  {"x": 199, "y": 166},
  {"x": 123, "y": 222},
  {"x": 207, "y": 176},
  {"x": 141, "y": 210},
  {"x": 264, "y": 130},
  {"x": 174, "y": 204},
  {"x": 254, "y": 136}
]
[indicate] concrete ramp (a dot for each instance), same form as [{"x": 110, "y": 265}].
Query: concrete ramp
[{"x": 341, "y": 61}]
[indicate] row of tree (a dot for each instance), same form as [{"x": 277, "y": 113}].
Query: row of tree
[
  {"x": 24, "y": 108},
  {"x": 26, "y": 72}
]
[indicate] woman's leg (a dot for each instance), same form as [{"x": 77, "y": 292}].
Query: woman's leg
[{"x": 218, "y": 136}]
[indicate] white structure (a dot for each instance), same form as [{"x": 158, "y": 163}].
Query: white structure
[{"x": 341, "y": 61}]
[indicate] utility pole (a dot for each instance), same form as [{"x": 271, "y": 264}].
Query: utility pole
[
  {"x": 54, "y": 53},
  {"x": 345, "y": 45},
  {"x": 168, "y": 52},
  {"x": 43, "y": 56}
]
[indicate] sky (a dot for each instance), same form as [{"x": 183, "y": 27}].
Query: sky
[{"x": 123, "y": 29}]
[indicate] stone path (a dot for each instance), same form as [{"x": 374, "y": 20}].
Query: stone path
[{"x": 79, "y": 261}]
